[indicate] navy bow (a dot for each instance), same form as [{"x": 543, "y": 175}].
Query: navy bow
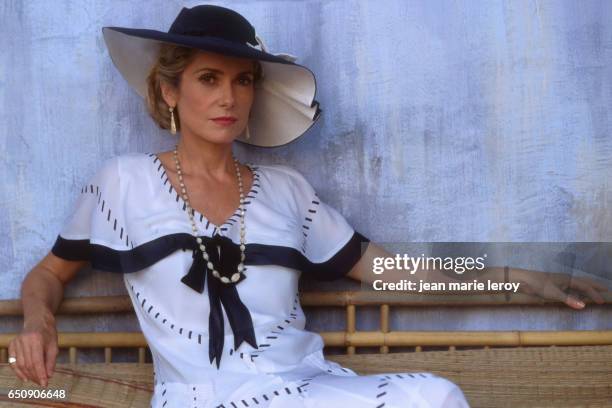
[{"x": 225, "y": 256}]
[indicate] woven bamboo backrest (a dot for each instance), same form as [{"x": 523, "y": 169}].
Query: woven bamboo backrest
[{"x": 349, "y": 338}]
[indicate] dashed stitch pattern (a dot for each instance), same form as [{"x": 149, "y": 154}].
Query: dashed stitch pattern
[
  {"x": 120, "y": 230},
  {"x": 385, "y": 379},
  {"x": 273, "y": 335},
  {"x": 254, "y": 400},
  {"x": 164, "y": 394},
  {"x": 307, "y": 223},
  {"x": 194, "y": 336},
  {"x": 190, "y": 335},
  {"x": 381, "y": 392}
]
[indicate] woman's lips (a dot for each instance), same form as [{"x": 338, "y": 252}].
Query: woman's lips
[{"x": 224, "y": 122}]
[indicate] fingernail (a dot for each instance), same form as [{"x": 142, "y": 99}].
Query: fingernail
[{"x": 579, "y": 303}]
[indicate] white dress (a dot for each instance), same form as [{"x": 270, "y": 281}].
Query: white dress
[{"x": 240, "y": 345}]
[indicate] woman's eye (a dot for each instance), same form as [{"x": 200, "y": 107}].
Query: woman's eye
[
  {"x": 210, "y": 79},
  {"x": 207, "y": 78}
]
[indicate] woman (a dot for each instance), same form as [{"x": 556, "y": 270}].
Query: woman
[{"x": 210, "y": 249}]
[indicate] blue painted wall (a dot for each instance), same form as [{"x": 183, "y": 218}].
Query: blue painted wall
[{"x": 443, "y": 121}]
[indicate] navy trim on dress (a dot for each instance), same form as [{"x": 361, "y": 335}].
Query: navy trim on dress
[{"x": 132, "y": 260}]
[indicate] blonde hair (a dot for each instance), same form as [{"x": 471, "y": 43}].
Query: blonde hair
[{"x": 171, "y": 62}]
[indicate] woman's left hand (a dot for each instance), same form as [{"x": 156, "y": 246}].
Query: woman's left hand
[{"x": 553, "y": 285}]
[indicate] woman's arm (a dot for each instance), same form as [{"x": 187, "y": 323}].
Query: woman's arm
[
  {"x": 544, "y": 284},
  {"x": 42, "y": 291}
]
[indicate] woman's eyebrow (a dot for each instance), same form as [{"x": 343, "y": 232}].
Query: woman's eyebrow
[{"x": 220, "y": 72}]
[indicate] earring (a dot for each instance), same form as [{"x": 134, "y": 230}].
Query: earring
[{"x": 172, "y": 123}]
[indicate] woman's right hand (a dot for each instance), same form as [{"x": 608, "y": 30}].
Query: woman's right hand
[
  {"x": 36, "y": 350},
  {"x": 42, "y": 291}
]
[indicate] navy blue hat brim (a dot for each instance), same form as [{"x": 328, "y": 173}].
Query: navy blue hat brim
[{"x": 204, "y": 43}]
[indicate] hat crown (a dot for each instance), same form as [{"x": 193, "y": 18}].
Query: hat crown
[{"x": 214, "y": 21}]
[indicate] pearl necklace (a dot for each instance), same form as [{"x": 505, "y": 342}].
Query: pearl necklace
[{"x": 236, "y": 276}]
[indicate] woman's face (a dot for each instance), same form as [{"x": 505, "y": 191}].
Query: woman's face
[{"x": 213, "y": 86}]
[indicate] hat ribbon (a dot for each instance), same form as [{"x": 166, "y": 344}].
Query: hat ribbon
[{"x": 262, "y": 47}]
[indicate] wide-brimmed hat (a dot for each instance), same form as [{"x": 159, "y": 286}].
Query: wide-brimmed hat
[{"x": 283, "y": 108}]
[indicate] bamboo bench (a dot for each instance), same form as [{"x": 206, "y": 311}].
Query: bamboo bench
[{"x": 493, "y": 368}]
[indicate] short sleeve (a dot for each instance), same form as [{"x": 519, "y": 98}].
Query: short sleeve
[
  {"x": 330, "y": 244},
  {"x": 96, "y": 219}
]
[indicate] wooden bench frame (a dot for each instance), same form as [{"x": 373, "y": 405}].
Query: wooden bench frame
[{"x": 350, "y": 338}]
